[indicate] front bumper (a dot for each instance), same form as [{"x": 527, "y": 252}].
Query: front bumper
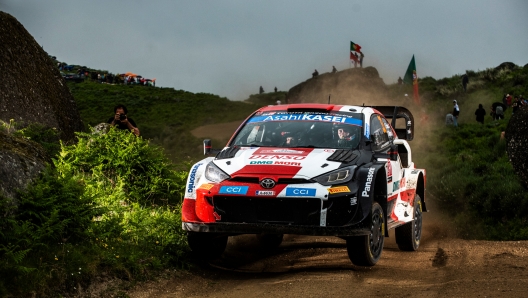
[{"x": 359, "y": 229}]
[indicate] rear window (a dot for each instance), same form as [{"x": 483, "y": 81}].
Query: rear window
[{"x": 301, "y": 129}]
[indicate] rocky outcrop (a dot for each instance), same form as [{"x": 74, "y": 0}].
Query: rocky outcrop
[
  {"x": 517, "y": 140},
  {"x": 350, "y": 86},
  {"x": 32, "y": 88},
  {"x": 21, "y": 161}
]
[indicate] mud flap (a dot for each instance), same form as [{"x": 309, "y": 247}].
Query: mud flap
[{"x": 367, "y": 183}]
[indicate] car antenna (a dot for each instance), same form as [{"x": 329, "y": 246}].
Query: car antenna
[{"x": 329, "y": 98}]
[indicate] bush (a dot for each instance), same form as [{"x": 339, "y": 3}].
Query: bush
[{"x": 111, "y": 204}]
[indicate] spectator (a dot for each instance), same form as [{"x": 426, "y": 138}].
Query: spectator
[
  {"x": 480, "y": 113},
  {"x": 508, "y": 100},
  {"x": 278, "y": 102},
  {"x": 315, "y": 74},
  {"x": 334, "y": 70},
  {"x": 465, "y": 81},
  {"x": 456, "y": 112},
  {"x": 515, "y": 105},
  {"x": 400, "y": 81},
  {"x": 356, "y": 60},
  {"x": 261, "y": 90},
  {"x": 361, "y": 60},
  {"x": 122, "y": 121},
  {"x": 275, "y": 89},
  {"x": 499, "y": 112}
]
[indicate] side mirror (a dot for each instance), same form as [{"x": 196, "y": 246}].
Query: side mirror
[
  {"x": 207, "y": 146},
  {"x": 393, "y": 152}
]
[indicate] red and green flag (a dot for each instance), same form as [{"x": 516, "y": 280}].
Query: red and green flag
[
  {"x": 354, "y": 47},
  {"x": 412, "y": 78}
]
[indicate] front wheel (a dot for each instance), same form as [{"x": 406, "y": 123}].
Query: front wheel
[
  {"x": 207, "y": 246},
  {"x": 366, "y": 250},
  {"x": 408, "y": 236}
]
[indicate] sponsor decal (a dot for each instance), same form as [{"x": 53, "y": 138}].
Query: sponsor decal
[
  {"x": 367, "y": 131},
  {"x": 353, "y": 201},
  {"x": 329, "y": 150},
  {"x": 415, "y": 172},
  {"x": 206, "y": 186},
  {"x": 306, "y": 117},
  {"x": 233, "y": 190},
  {"x": 270, "y": 162},
  {"x": 192, "y": 178},
  {"x": 300, "y": 192},
  {"x": 277, "y": 157},
  {"x": 388, "y": 166},
  {"x": 368, "y": 184},
  {"x": 395, "y": 185},
  {"x": 265, "y": 193},
  {"x": 338, "y": 189},
  {"x": 281, "y": 151}
]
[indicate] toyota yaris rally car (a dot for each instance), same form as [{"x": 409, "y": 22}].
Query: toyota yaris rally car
[{"x": 310, "y": 169}]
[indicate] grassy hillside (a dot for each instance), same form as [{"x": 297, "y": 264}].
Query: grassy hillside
[
  {"x": 469, "y": 174},
  {"x": 163, "y": 115}
]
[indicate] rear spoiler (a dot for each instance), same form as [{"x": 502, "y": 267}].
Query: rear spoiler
[{"x": 396, "y": 112}]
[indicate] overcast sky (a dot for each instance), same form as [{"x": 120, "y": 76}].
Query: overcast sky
[{"x": 231, "y": 47}]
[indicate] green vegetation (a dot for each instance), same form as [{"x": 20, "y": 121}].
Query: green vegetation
[
  {"x": 470, "y": 176},
  {"x": 110, "y": 204}
]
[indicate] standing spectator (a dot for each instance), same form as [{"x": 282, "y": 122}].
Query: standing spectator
[
  {"x": 480, "y": 113},
  {"x": 315, "y": 74},
  {"x": 499, "y": 112},
  {"x": 465, "y": 81},
  {"x": 508, "y": 100},
  {"x": 456, "y": 112},
  {"x": 356, "y": 60},
  {"x": 361, "y": 60},
  {"x": 515, "y": 105},
  {"x": 400, "y": 81},
  {"x": 334, "y": 70},
  {"x": 275, "y": 89},
  {"x": 261, "y": 90}
]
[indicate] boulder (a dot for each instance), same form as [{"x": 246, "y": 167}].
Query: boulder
[
  {"x": 349, "y": 86},
  {"x": 517, "y": 142},
  {"x": 21, "y": 161},
  {"x": 32, "y": 88}
]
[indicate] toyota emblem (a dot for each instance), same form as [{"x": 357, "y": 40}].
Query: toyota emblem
[{"x": 267, "y": 183}]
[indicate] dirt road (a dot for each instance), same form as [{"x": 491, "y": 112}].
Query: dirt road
[{"x": 319, "y": 267}]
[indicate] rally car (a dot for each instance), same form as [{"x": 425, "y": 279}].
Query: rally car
[{"x": 310, "y": 169}]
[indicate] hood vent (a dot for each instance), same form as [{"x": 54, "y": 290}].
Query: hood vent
[
  {"x": 342, "y": 155},
  {"x": 228, "y": 153}
]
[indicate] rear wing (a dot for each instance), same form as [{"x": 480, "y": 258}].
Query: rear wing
[{"x": 406, "y": 131}]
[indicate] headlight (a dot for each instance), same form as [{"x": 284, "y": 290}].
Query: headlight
[
  {"x": 214, "y": 174},
  {"x": 338, "y": 176}
]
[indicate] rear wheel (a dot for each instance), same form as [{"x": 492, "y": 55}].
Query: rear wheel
[
  {"x": 408, "y": 236},
  {"x": 207, "y": 246},
  {"x": 270, "y": 241},
  {"x": 366, "y": 250}
]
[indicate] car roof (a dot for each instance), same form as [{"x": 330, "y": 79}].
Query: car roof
[{"x": 316, "y": 106}]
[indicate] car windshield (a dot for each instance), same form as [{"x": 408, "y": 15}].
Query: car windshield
[{"x": 301, "y": 129}]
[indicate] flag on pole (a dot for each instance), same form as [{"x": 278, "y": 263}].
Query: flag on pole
[
  {"x": 354, "y": 47},
  {"x": 412, "y": 78}
]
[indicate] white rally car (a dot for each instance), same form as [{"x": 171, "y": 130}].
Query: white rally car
[{"x": 310, "y": 169}]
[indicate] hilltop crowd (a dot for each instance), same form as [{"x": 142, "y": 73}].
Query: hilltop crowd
[{"x": 108, "y": 78}]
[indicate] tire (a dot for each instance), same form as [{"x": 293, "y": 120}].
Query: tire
[
  {"x": 366, "y": 250},
  {"x": 408, "y": 235},
  {"x": 207, "y": 246},
  {"x": 270, "y": 241}
]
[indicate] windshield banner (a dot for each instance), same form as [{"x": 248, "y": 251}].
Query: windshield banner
[{"x": 345, "y": 119}]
